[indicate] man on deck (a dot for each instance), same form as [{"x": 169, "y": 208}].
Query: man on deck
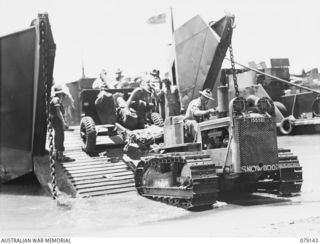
[
  {"x": 140, "y": 101},
  {"x": 119, "y": 75},
  {"x": 103, "y": 81},
  {"x": 170, "y": 95}
]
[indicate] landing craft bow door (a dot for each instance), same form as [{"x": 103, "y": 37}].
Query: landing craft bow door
[
  {"x": 199, "y": 54},
  {"x": 20, "y": 102},
  {"x": 18, "y": 52}
]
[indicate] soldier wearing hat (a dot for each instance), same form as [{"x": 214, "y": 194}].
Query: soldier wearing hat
[
  {"x": 58, "y": 123},
  {"x": 155, "y": 73},
  {"x": 155, "y": 77},
  {"x": 198, "y": 111}
]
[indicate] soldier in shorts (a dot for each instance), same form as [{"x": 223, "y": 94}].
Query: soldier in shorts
[{"x": 59, "y": 124}]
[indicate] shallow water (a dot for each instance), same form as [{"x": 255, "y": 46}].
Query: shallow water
[{"x": 25, "y": 209}]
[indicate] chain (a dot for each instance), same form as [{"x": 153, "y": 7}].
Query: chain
[
  {"x": 235, "y": 82},
  {"x": 44, "y": 55}
]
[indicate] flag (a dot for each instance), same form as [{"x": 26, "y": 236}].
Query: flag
[{"x": 157, "y": 19}]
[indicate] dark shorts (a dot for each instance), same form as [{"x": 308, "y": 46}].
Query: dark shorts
[{"x": 58, "y": 136}]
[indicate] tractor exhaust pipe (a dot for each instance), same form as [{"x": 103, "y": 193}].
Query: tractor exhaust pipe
[{"x": 223, "y": 101}]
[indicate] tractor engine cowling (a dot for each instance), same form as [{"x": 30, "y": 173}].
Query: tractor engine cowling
[
  {"x": 255, "y": 145},
  {"x": 257, "y": 142}
]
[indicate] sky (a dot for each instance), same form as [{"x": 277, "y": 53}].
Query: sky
[{"x": 114, "y": 34}]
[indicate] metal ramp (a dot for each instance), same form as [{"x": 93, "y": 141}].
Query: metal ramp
[
  {"x": 103, "y": 173},
  {"x": 98, "y": 176}
]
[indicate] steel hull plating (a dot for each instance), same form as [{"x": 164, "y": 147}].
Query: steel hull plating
[
  {"x": 23, "y": 97},
  {"x": 17, "y": 103}
]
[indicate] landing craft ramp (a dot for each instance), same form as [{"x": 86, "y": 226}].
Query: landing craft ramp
[
  {"x": 26, "y": 66},
  {"x": 199, "y": 52},
  {"x": 102, "y": 173}
]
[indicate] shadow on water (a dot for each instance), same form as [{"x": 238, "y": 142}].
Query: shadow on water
[
  {"x": 201, "y": 208},
  {"x": 306, "y": 130},
  {"x": 243, "y": 199},
  {"x": 303, "y": 130},
  {"x": 24, "y": 185}
]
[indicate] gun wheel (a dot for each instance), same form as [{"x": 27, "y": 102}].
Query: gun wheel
[{"x": 88, "y": 134}]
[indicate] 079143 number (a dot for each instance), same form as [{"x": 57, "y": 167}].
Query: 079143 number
[{"x": 309, "y": 240}]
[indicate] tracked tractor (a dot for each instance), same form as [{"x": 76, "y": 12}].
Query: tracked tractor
[{"x": 236, "y": 151}]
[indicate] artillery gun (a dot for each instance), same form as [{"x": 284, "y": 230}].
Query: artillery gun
[
  {"x": 236, "y": 151},
  {"x": 108, "y": 110}
]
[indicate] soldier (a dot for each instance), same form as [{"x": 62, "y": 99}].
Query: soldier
[
  {"x": 105, "y": 107},
  {"x": 102, "y": 81},
  {"x": 68, "y": 105},
  {"x": 119, "y": 75},
  {"x": 198, "y": 111},
  {"x": 139, "y": 100},
  {"x": 59, "y": 124},
  {"x": 155, "y": 74},
  {"x": 170, "y": 95}
]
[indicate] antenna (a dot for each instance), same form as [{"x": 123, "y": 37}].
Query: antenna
[
  {"x": 83, "y": 74},
  {"x": 172, "y": 24}
]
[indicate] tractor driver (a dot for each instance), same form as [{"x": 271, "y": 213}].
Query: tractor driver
[{"x": 198, "y": 111}]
